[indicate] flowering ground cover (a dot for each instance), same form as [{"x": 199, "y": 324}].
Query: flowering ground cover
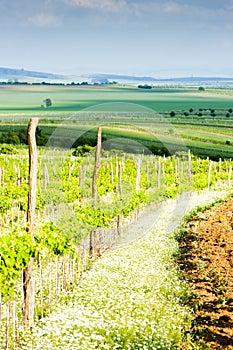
[{"x": 131, "y": 298}]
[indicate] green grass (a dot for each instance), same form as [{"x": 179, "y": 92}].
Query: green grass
[
  {"x": 135, "y": 138},
  {"x": 25, "y": 99},
  {"x": 77, "y": 109}
]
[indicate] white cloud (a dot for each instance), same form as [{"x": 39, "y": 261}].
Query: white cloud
[
  {"x": 231, "y": 5},
  {"x": 44, "y": 20},
  {"x": 59, "y": 10},
  {"x": 172, "y": 7},
  {"x": 103, "y": 5},
  {"x": 186, "y": 9}
]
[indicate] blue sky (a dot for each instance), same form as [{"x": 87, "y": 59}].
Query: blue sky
[{"x": 150, "y": 37}]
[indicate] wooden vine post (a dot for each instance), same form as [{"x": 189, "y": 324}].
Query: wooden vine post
[
  {"x": 95, "y": 185},
  {"x": 209, "y": 173},
  {"x": 120, "y": 216},
  {"x": 96, "y": 167},
  {"x": 138, "y": 177},
  {"x": 229, "y": 175},
  {"x": 28, "y": 281},
  {"x": 189, "y": 166}
]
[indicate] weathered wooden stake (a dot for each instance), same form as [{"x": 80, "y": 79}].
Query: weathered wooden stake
[
  {"x": 120, "y": 179},
  {"x": 138, "y": 178},
  {"x": 189, "y": 166},
  {"x": 159, "y": 173},
  {"x": 80, "y": 176},
  {"x": 111, "y": 173},
  {"x": 8, "y": 309},
  {"x": 209, "y": 173},
  {"x": 96, "y": 167},
  {"x": 46, "y": 176},
  {"x": 28, "y": 281},
  {"x": 229, "y": 176},
  {"x": 95, "y": 185}
]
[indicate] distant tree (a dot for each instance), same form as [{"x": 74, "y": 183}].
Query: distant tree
[
  {"x": 82, "y": 151},
  {"x": 47, "y": 102},
  {"x": 144, "y": 86},
  {"x": 159, "y": 150},
  {"x": 172, "y": 114},
  {"x": 191, "y": 110},
  {"x": 186, "y": 114},
  {"x": 38, "y": 131},
  {"x": 230, "y": 110},
  {"x": 201, "y": 88},
  {"x": 228, "y": 142},
  {"x": 12, "y": 138},
  {"x": 212, "y": 113},
  {"x": 199, "y": 114},
  {"x": 22, "y": 134},
  {"x": 41, "y": 140},
  {"x": 227, "y": 115}
]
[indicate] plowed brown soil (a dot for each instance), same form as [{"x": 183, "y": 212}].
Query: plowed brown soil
[{"x": 207, "y": 264}]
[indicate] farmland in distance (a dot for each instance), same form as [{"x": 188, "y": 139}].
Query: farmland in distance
[{"x": 203, "y": 120}]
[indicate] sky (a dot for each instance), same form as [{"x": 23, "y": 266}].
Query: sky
[{"x": 142, "y": 38}]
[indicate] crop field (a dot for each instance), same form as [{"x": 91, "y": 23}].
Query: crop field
[
  {"x": 202, "y": 120},
  {"x": 22, "y": 99}
]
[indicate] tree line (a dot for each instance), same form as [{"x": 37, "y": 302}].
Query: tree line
[{"x": 20, "y": 137}]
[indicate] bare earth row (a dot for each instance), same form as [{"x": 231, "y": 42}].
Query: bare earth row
[{"x": 207, "y": 264}]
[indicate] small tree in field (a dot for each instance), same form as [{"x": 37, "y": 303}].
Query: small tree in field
[
  {"x": 47, "y": 102},
  {"x": 172, "y": 114}
]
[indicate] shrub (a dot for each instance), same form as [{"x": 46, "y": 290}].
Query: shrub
[
  {"x": 172, "y": 114},
  {"x": 82, "y": 151},
  {"x": 7, "y": 149}
]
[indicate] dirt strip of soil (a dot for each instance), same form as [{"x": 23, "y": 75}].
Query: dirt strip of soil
[{"x": 206, "y": 262}]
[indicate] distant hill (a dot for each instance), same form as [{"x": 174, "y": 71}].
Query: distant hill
[
  {"x": 152, "y": 79},
  {"x": 107, "y": 77},
  {"x": 10, "y": 73},
  {"x": 28, "y": 76},
  {"x": 181, "y": 81}
]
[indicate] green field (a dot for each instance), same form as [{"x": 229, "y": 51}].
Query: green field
[
  {"x": 128, "y": 113},
  {"x": 21, "y": 99}
]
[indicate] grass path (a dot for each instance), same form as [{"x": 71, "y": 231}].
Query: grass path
[{"x": 132, "y": 296}]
